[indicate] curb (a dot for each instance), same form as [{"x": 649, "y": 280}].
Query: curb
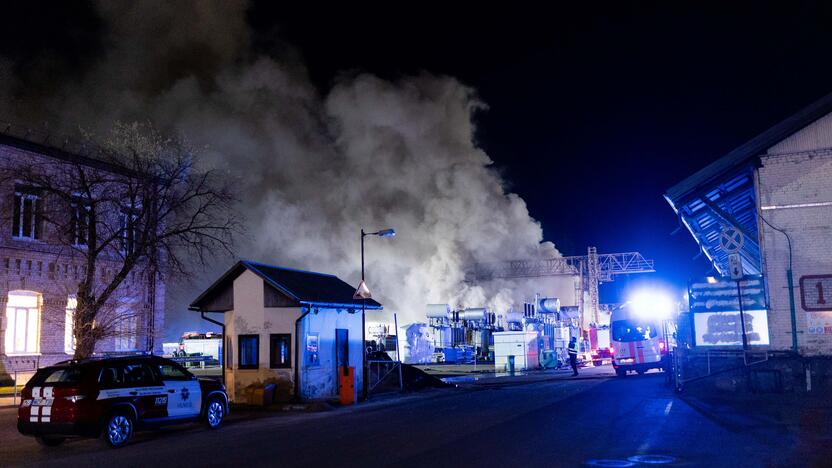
[{"x": 731, "y": 418}]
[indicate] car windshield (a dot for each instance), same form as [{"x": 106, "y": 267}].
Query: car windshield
[{"x": 628, "y": 330}]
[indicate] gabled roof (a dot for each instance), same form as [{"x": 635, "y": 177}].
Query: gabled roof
[
  {"x": 753, "y": 148},
  {"x": 77, "y": 157},
  {"x": 305, "y": 287}
]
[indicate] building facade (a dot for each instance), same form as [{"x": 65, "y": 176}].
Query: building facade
[
  {"x": 39, "y": 276},
  {"x": 775, "y": 191},
  {"x": 296, "y": 330}
]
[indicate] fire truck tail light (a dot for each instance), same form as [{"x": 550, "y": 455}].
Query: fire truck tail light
[{"x": 74, "y": 398}]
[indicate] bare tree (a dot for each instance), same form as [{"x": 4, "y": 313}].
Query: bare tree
[{"x": 138, "y": 204}]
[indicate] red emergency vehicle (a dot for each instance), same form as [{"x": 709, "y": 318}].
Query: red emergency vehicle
[{"x": 637, "y": 343}]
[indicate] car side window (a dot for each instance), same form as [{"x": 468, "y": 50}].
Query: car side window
[
  {"x": 110, "y": 376},
  {"x": 172, "y": 372},
  {"x": 137, "y": 375}
]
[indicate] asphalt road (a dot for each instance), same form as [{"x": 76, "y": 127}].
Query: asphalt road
[{"x": 548, "y": 420}]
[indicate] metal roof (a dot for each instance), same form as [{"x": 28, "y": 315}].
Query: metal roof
[
  {"x": 729, "y": 201},
  {"x": 723, "y": 193},
  {"x": 305, "y": 287}
]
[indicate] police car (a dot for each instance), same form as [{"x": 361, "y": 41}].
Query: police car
[{"x": 113, "y": 397}]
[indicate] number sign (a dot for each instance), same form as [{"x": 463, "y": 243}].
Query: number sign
[{"x": 816, "y": 293}]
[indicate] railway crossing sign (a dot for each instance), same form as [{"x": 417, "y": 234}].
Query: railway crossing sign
[{"x": 731, "y": 240}]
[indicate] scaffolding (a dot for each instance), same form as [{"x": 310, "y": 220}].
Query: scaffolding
[{"x": 592, "y": 269}]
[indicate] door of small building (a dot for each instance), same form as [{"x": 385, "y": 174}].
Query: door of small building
[
  {"x": 343, "y": 374},
  {"x": 342, "y": 352},
  {"x": 342, "y": 347}
]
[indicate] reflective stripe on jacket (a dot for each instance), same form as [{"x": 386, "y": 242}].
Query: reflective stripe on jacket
[{"x": 573, "y": 348}]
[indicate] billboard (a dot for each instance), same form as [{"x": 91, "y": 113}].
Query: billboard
[
  {"x": 715, "y": 305},
  {"x": 725, "y": 329}
]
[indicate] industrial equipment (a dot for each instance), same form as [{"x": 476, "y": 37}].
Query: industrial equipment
[
  {"x": 591, "y": 269},
  {"x": 467, "y": 334}
]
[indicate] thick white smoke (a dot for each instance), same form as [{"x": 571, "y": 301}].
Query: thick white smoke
[{"x": 312, "y": 169}]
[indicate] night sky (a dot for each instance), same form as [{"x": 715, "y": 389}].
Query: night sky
[{"x": 592, "y": 112}]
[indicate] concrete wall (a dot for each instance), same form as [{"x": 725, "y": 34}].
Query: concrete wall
[
  {"x": 320, "y": 380},
  {"x": 251, "y": 317},
  {"x": 796, "y": 173}
]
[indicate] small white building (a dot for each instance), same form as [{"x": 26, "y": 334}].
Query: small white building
[
  {"x": 523, "y": 347},
  {"x": 287, "y": 327}
]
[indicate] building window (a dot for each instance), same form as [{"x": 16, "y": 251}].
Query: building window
[
  {"x": 249, "y": 351},
  {"x": 28, "y": 214},
  {"x": 280, "y": 354},
  {"x": 128, "y": 226},
  {"x": 312, "y": 349},
  {"x": 80, "y": 212},
  {"x": 23, "y": 323},
  {"x": 125, "y": 332},
  {"x": 69, "y": 326}
]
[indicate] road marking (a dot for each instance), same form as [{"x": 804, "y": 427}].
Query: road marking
[
  {"x": 652, "y": 459},
  {"x": 608, "y": 462},
  {"x": 667, "y": 408}
]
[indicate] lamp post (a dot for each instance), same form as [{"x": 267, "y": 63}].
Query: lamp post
[{"x": 381, "y": 233}]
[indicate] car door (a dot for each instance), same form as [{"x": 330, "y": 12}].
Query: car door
[
  {"x": 183, "y": 391},
  {"x": 142, "y": 387}
]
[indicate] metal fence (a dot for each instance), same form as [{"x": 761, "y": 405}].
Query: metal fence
[
  {"x": 21, "y": 377},
  {"x": 379, "y": 371}
]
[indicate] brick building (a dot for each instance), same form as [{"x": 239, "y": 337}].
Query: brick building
[
  {"x": 776, "y": 191},
  {"x": 39, "y": 276}
]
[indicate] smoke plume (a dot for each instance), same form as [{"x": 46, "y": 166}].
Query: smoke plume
[{"x": 312, "y": 167}]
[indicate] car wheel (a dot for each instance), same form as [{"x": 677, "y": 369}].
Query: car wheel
[
  {"x": 214, "y": 413},
  {"x": 118, "y": 429},
  {"x": 620, "y": 372},
  {"x": 50, "y": 441}
]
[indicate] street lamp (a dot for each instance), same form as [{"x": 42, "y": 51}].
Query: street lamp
[{"x": 382, "y": 233}]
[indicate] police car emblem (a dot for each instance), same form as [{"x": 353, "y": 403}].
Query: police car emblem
[{"x": 185, "y": 393}]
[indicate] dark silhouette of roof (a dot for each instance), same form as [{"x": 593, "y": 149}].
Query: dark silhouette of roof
[{"x": 304, "y": 287}]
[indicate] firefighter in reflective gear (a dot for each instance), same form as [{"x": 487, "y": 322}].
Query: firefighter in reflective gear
[{"x": 573, "y": 355}]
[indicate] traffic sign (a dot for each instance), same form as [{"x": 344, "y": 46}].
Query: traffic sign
[
  {"x": 731, "y": 240},
  {"x": 735, "y": 266}
]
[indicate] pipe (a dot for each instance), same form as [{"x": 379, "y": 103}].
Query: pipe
[
  {"x": 474, "y": 315},
  {"x": 297, "y": 351},
  {"x": 790, "y": 281},
  {"x": 548, "y": 305},
  {"x": 225, "y": 352},
  {"x": 442, "y": 311}
]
